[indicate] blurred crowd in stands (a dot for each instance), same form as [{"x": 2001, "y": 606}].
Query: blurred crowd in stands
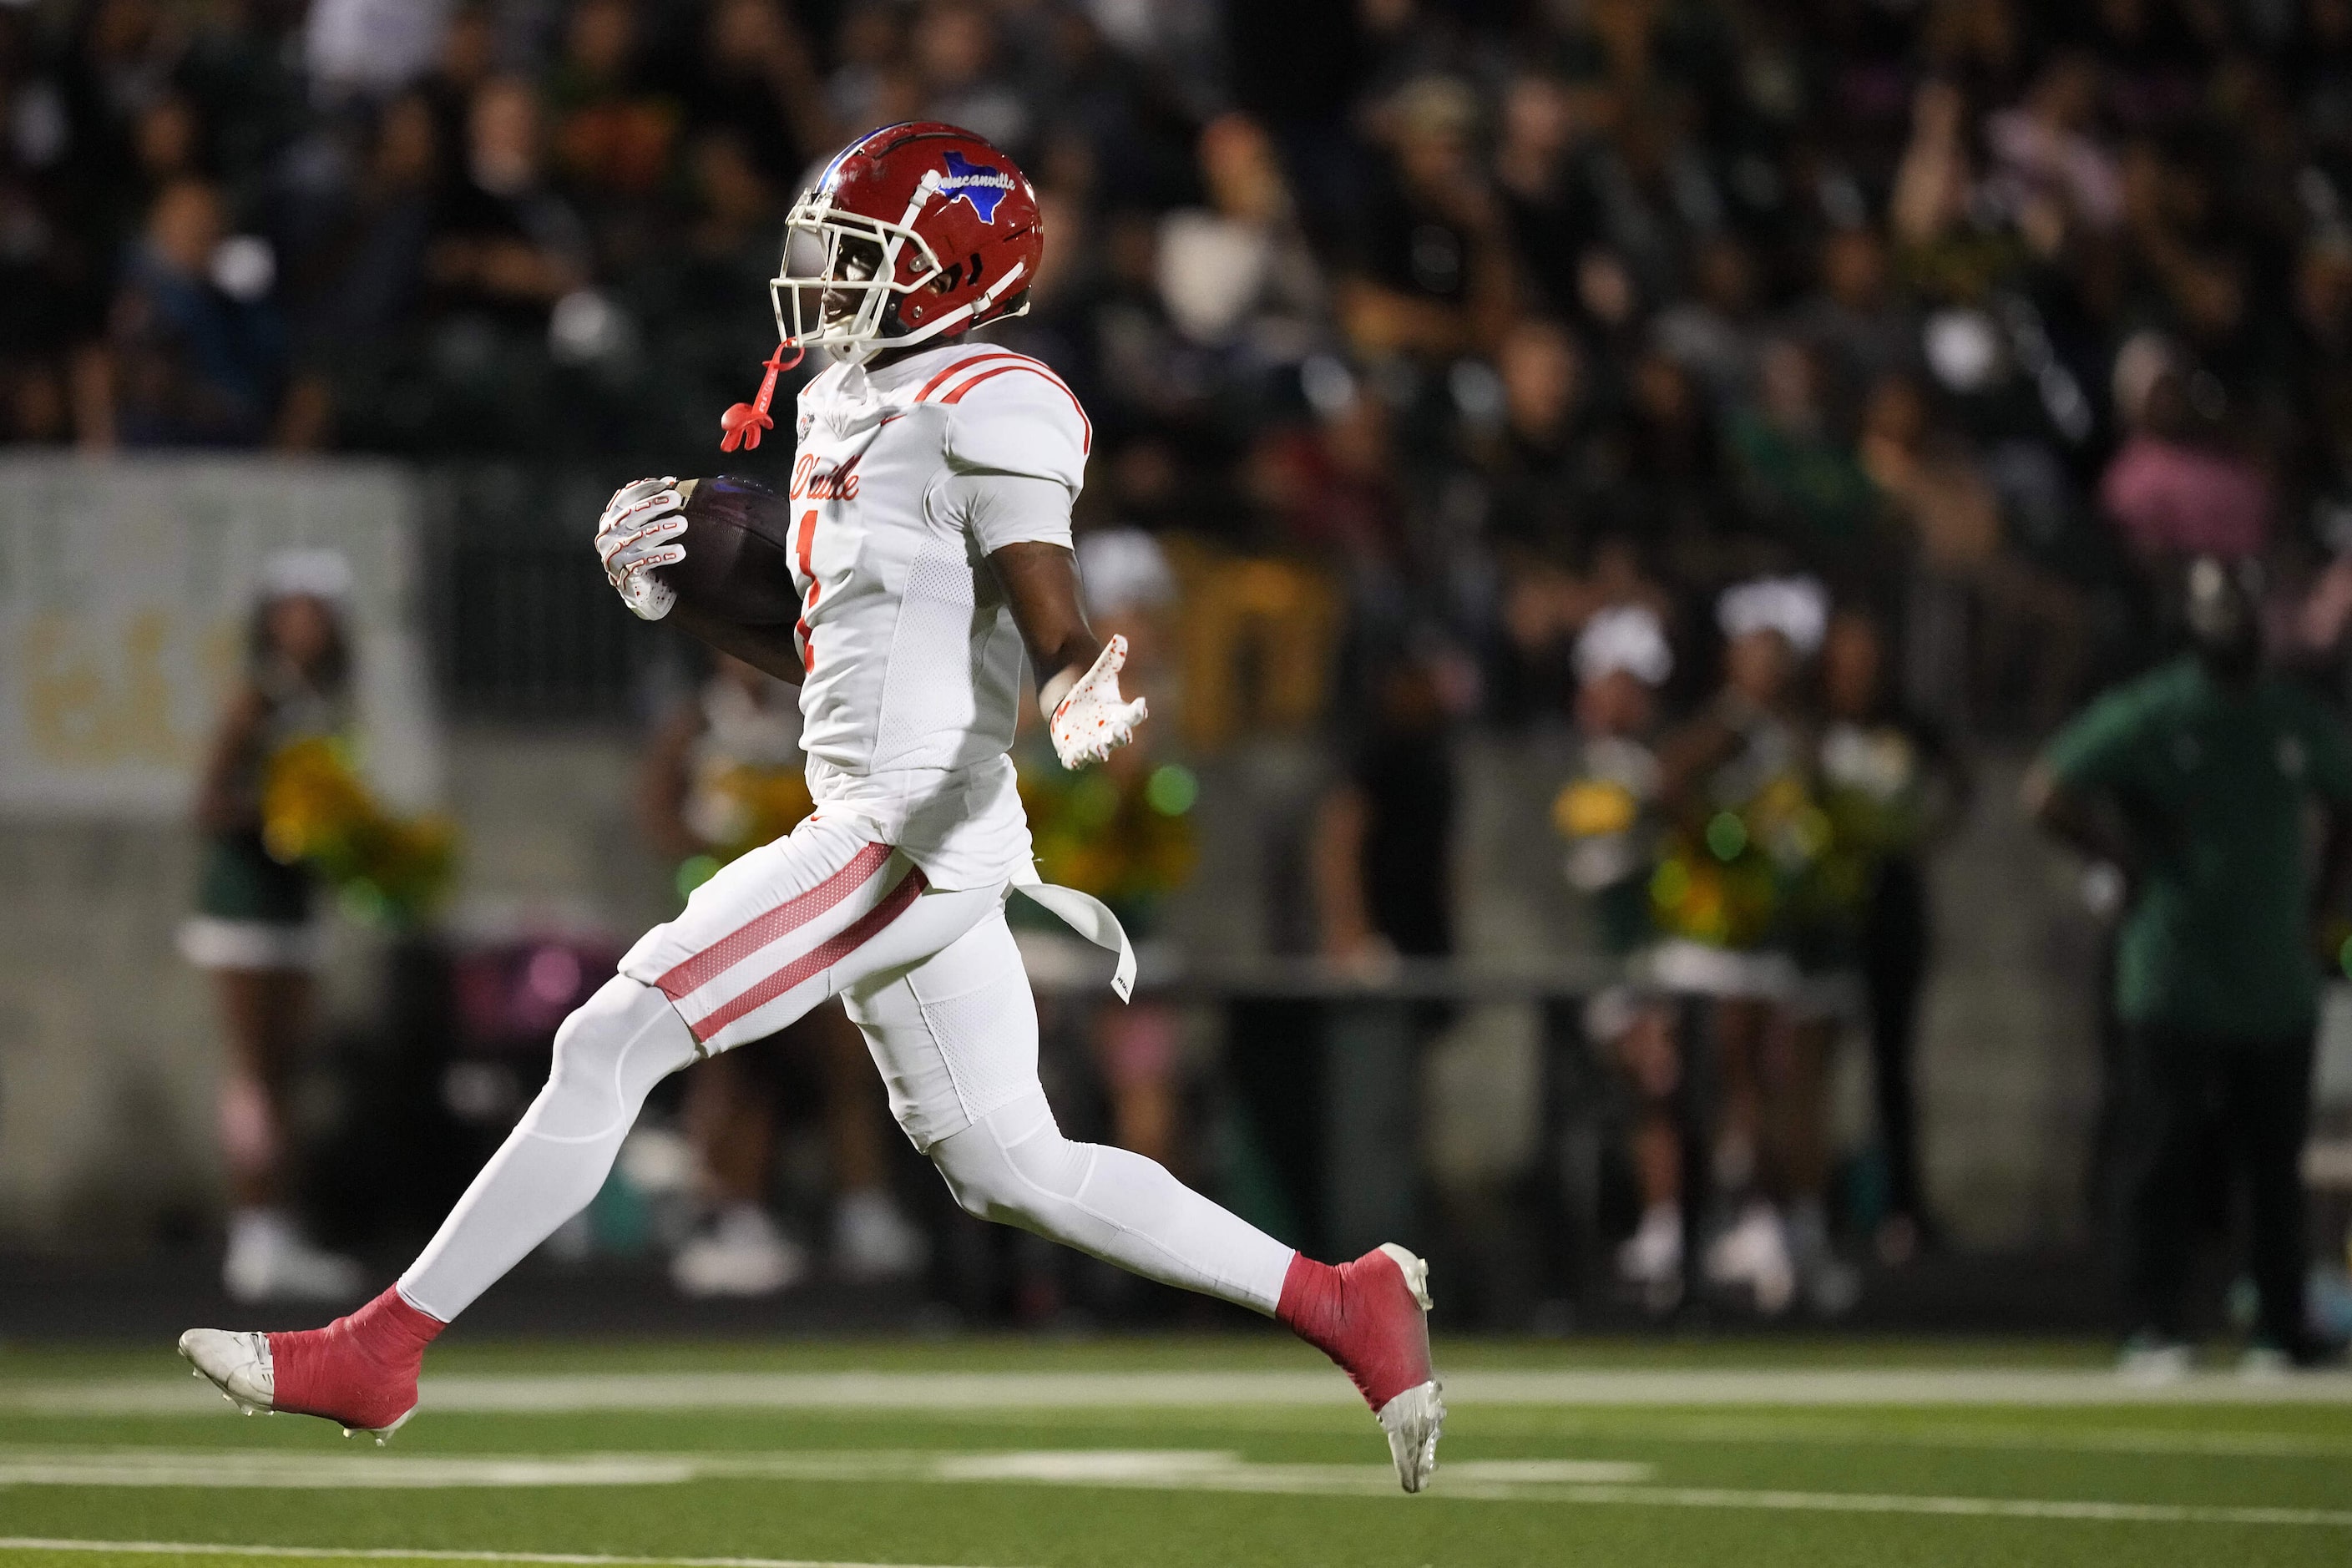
[{"x": 1981, "y": 311}]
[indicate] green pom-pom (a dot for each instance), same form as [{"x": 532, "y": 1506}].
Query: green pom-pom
[
  {"x": 695, "y": 871},
  {"x": 1172, "y": 789}
]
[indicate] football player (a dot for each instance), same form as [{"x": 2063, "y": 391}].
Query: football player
[{"x": 931, "y": 545}]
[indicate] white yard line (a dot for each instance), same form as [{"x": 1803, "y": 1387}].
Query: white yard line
[
  {"x": 1952, "y": 1507},
  {"x": 405, "y": 1554},
  {"x": 1495, "y": 1481},
  {"x": 1782, "y": 1429},
  {"x": 1163, "y": 1469},
  {"x": 996, "y": 1391},
  {"x": 1560, "y": 1481}
]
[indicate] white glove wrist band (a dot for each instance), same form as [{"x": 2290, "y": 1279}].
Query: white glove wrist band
[{"x": 1050, "y": 695}]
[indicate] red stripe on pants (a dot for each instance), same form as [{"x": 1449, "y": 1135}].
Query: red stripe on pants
[
  {"x": 767, "y": 926},
  {"x": 817, "y": 960}
]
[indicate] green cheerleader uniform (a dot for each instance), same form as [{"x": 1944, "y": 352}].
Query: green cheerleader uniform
[{"x": 254, "y": 912}]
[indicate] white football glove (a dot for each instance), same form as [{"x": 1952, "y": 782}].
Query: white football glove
[
  {"x": 1086, "y": 716},
  {"x": 641, "y": 529}
]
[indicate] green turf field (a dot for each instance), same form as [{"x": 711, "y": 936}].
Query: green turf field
[{"x": 1136, "y": 1454}]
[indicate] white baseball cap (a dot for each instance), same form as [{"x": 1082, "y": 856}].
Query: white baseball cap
[
  {"x": 311, "y": 573},
  {"x": 1796, "y": 607},
  {"x": 1626, "y": 638}
]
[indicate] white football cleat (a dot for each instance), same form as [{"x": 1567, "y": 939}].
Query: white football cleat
[
  {"x": 239, "y": 1365},
  {"x": 1415, "y": 1418},
  {"x": 1371, "y": 1316},
  {"x": 358, "y": 1371},
  {"x": 242, "y": 1367}
]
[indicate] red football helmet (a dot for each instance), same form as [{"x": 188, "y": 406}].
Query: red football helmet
[{"x": 912, "y": 230}]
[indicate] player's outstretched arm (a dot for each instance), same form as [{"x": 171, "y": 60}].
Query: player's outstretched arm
[
  {"x": 1077, "y": 675},
  {"x": 1041, "y": 583}
]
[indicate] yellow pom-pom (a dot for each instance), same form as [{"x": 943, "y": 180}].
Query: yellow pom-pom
[{"x": 1592, "y": 809}]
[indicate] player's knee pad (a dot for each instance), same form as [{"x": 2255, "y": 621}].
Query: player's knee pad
[
  {"x": 1014, "y": 1166},
  {"x": 609, "y": 1054}
]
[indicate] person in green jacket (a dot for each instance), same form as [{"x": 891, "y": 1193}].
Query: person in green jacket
[{"x": 2194, "y": 782}]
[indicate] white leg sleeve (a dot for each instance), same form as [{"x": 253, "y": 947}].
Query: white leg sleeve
[
  {"x": 1014, "y": 1166},
  {"x": 956, "y": 1038},
  {"x": 608, "y": 1057}
]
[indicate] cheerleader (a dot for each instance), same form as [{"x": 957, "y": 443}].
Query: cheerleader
[
  {"x": 1608, "y": 814},
  {"x": 1743, "y": 832},
  {"x": 256, "y": 927}
]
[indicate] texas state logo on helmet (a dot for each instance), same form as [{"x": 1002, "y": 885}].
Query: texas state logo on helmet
[{"x": 912, "y": 231}]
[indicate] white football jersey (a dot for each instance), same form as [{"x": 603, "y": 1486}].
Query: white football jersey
[{"x": 914, "y": 668}]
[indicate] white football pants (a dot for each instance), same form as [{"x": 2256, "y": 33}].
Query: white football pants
[{"x": 934, "y": 979}]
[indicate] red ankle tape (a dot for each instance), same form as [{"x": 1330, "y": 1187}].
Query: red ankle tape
[
  {"x": 390, "y": 1325},
  {"x": 1361, "y": 1315},
  {"x": 359, "y": 1370},
  {"x": 1311, "y": 1300}
]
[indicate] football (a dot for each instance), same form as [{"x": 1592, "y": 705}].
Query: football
[{"x": 738, "y": 566}]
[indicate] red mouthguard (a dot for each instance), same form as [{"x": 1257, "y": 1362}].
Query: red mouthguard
[{"x": 742, "y": 424}]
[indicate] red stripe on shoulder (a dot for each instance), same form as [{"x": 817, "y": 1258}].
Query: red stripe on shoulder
[
  {"x": 962, "y": 364},
  {"x": 1086, "y": 440}
]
